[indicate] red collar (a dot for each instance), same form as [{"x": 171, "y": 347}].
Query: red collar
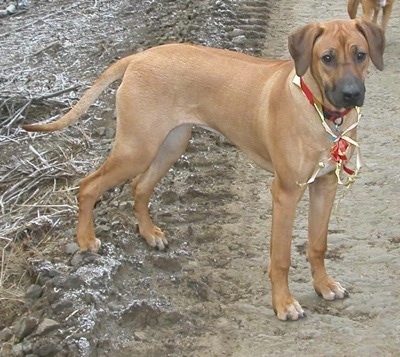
[{"x": 328, "y": 114}]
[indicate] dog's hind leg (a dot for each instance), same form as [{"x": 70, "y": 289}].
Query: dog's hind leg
[
  {"x": 170, "y": 151},
  {"x": 368, "y": 12},
  {"x": 375, "y": 15},
  {"x": 117, "y": 169},
  {"x": 131, "y": 156},
  {"x": 386, "y": 11},
  {"x": 352, "y": 6}
]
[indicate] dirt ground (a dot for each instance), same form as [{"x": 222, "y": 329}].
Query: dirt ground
[{"x": 209, "y": 294}]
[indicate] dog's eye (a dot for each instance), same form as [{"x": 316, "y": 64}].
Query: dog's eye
[
  {"x": 361, "y": 56},
  {"x": 328, "y": 59}
]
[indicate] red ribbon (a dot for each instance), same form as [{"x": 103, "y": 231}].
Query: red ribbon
[{"x": 338, "y": 154}]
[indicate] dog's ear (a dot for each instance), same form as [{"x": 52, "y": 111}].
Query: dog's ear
[
  {"x": 300, "y": 43},
  {"x": 376, "y": 41}
]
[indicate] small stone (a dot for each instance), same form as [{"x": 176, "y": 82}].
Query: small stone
[
  {"x": 67, "y": 282},
  {"x": 103, "y": 229},
  {"x": 62, "y": 306},
  {"x": 71, "y": 248},
  {"x": 46, "y": 326},
  {"x": 27, "y": 347},
  {"x": 25, "y": 327},
  {"x": 34, "y": 292},
  {"x": 17, "y": 350},
  {"x": 109, "y": 133},
  {"x": 44, "y": 347},
  {"x": 237, "y": 32},
  {"x": 99, "y": 131},
  {"x": 6, "y": 349},
  {"x": 77, "y": 258},
  {"x": 6, "y": 334},
  {"x": 46, "y": 271},
  {"x": 239, "y": 40},
  {"x": 139, "y": 336},
  {"x": 83, "y": 257}
]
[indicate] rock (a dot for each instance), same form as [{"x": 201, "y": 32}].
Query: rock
[
  {"x": 77, "y": 258},
  {"x": 34, "y": 292},
  {"x": 237, "y": 32},
  {"x": 45, "y": 347},
  {"x": 109, "y": 133},
  {"x": 26, "y": 347},
  {"x": 62, "y": 306},
  {"x": 169, "y": 197},
  {"x": 17, "y": 350},
  {"x": 45, "y": 271},
  {"x": 46, "y": 326},
  {"x": 99, "y": 131},
  {"x": 165, "y": 262},
  {"x": 239, "y": 40},
  {"x": 71, "y": 248},
  {"x": 67, "y": 282},
  {"x": 25, "y": 327},
  {"x": 6, "y": 350},
  {"x": 84, "y": 258},
  {"x": 6, "y": 334},
  {"x": 139, "y": 336}
]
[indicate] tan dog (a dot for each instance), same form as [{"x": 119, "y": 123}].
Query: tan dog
[
  {"x": 253, "y": 102},
  {"x": 371, "y": 10}
]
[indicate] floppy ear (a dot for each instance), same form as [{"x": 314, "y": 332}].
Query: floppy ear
[
  {"x": 300, "y": 43},
  {"x": 376, "y": 41}
]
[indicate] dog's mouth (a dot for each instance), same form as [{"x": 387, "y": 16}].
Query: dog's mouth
[{"x": 346, "y": 93}]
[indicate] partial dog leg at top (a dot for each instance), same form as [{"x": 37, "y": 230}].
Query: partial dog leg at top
[
  {"x": 370, "y": 13},
  {"x": 386, "y": 11},
  {"x": 322, "y": 196},
  {"x": 352, "y": 6},
  {"x": 285, "y": 199},
  {"x": 142, "y": 186}
]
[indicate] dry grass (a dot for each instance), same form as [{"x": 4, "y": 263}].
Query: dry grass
[
  {"x": 39, "y": 172},
  {"x": 37, "y": 199},
  {"x": 52, "y": 49}
]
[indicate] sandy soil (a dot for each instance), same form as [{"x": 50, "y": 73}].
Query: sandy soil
[{"x": 209, "y": 294}]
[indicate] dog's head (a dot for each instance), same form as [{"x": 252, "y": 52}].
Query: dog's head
[{"x": 337, "y": 54}]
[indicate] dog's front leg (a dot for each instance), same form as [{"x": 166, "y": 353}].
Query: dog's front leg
[
  {"x": 322, "y": 196},
  {"x": 285, "y": 199}
]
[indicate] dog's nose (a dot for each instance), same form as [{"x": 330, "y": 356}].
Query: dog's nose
[{"x": 351, "y": 96}]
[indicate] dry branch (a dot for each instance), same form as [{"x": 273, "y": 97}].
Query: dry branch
[{"x": 16, "y": 106}]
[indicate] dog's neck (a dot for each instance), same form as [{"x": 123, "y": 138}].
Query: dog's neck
[{"x": 341, "y": 139}]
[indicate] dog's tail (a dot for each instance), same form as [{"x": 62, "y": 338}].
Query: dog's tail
[
  {"x": 110, "y": 75},
  {"x": 352, "y": 6}
]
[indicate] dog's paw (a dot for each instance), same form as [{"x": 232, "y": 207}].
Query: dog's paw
[
  {"x": 92, "y": 245},
  {"x": 291, "y": 312},
  {"x": 332, "y": 291},
  {"x": 155, "y": 238}
]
